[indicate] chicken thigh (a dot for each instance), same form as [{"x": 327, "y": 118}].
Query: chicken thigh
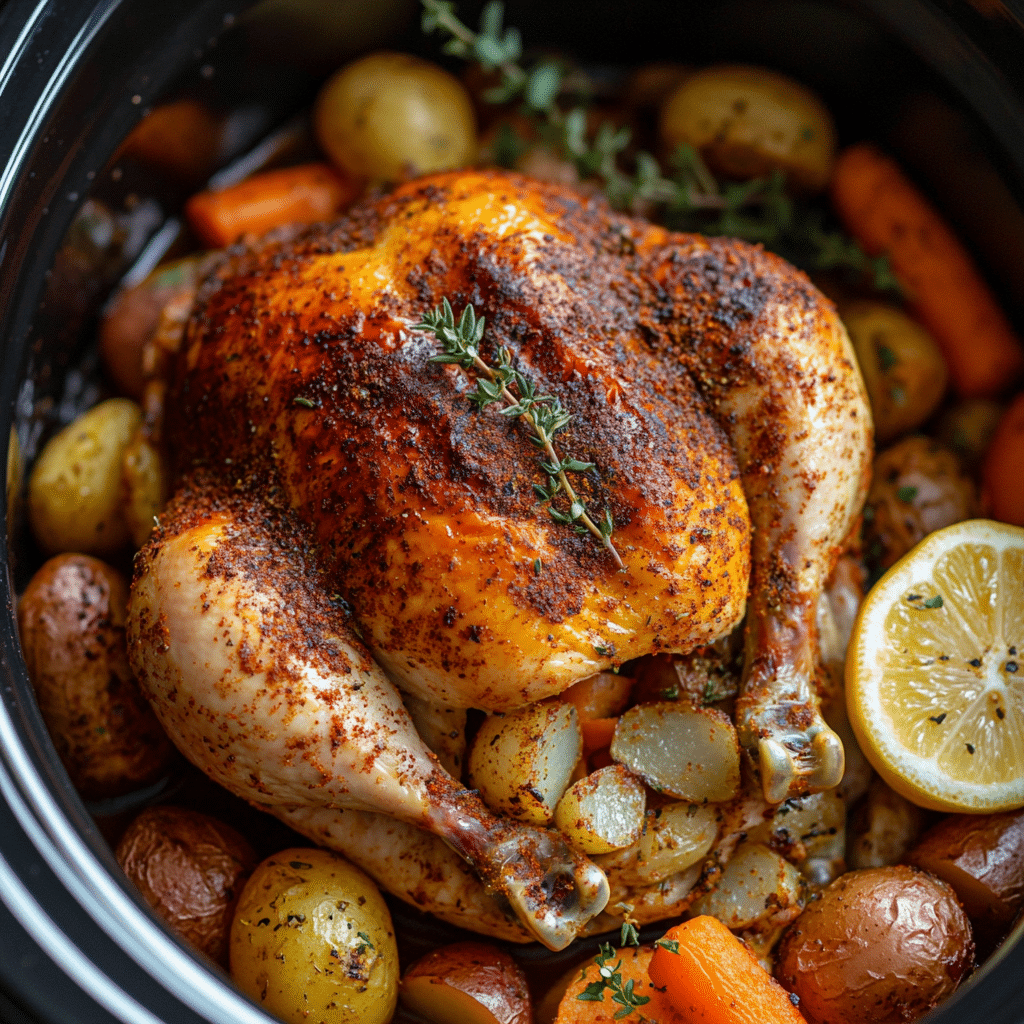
[{"x": 337, "y": 488}]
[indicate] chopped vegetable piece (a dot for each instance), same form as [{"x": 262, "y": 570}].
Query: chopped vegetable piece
[
  {"x": 710, "y": 976},
  {"x": 293, "y": 195},
  {"x": 886, "y": 214}
]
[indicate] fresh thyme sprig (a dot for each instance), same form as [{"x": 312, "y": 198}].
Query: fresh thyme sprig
[
  {"x": 689, "y": 198},
  {"x": 460, "y": 342},
  {"x": 611, "y": 979}
]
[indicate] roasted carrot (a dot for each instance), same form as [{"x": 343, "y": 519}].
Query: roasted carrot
[
  {"x": 887, "y": 214},
  {"x": 710, "y": 976},
  {"x": 1003, "y": 471},
  {"x": 597, "y": 733},
  {"x": 293, "y": 195},
  {"x": 588, "y": 1001}
]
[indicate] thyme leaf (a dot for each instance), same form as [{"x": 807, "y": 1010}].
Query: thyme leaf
[
  {"x": 544, "y": 414},
  {"x": 611, "y": 980},
  {"x": 688, "y": 197}
]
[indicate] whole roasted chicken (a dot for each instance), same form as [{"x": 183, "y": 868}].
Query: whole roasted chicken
[{"x": 346, "y": 521}]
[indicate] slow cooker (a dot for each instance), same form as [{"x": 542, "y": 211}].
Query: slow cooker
[{"x": 940, "y": 83}]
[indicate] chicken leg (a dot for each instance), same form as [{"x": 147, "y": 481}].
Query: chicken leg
[
  {"x": 256, "y": 677},
  {"x": 776, "y": 366}
]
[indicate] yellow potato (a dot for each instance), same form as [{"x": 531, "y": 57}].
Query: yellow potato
[
  {"x": 748, "y": 122},
  {"x": 522, "y": 762},
  {"x": 144, "y": 483},
  {"x": 903, "y": 368},
  {"x": 688, "y": 752},
  {"x": 312, "y": 940},
  {"x": 675, "y": 838},
  {"x": 391, "y": 116},
  {"x": 757, "y": 883},
  {"x": 74, "y": 492},
  {"x": 604, "y": 811}
]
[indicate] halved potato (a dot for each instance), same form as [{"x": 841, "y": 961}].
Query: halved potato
[
  {"x": 604, "y": 811},
  {"x": 467, "y": 983},
  {"x": 676, "y": 836},
  {"x": 690, "y": 753},
  {"x": 748, "y": 122},
  {"x": 74, "y": 492},
  {"x": 521, "y": 762},
  {"x": 757, "y": 882}
]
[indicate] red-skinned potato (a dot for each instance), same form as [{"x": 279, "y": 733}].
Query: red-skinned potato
[
  {"x": 982, "y": 857},
  {"x": 882, "y": 944},
  {"x": 467, "y": 983},
  {"x": 72, "y": 624},
  {"x": 190, "y": 868}
]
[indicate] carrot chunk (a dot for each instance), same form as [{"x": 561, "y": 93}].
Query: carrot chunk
[
  {"x": 597, "y": 733},
  {"x": 710, "y": 976},
  {"x": 596, "y": 998},
  {"x": 293, "y": 195},
  {"x": 887, "y": 214},
  {"x": 1003, "y": 472}
]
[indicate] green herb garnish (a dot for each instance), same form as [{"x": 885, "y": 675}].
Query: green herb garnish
[
  {"x": 611, "y": 980},
  {"x": 689, "y": 198},
  {"x": 544, "y": 414}
]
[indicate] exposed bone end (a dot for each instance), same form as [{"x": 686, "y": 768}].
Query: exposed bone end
[
  {"x": 794, "y": 763},
  {"x": 553, "y": 889}
]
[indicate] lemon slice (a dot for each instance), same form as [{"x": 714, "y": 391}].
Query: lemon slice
[{"x": 935, "y": 670}]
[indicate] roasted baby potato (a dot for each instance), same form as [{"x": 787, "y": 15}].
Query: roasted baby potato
[
  {"x": 747, "y": 122},
  {"x": 918, "y": 486},
  {"x": 72, "y": 624},
  {"x": 312, "y": 940},
  {"x": 882, "y": 945},
  {"x": 74, "y": 492},
  {"x": 467, "y": 983},
  {"x": 191, "y": 869},
  {"x": 687, "y": 752},
  {"x": 521, "y": 762},
  {"x": 391, "y": 116},
  {"x": 968, "y": 426},
  {"x": 143, "y": 486},
  {"x": 603, "y": 811},
  {"x": 757, "y": 883},
  {"x": 903, "y": 368},
  {"x": 982, "y": 857}
]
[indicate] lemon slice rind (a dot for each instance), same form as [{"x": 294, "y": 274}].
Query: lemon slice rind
[{"x": 916, "y": 700}]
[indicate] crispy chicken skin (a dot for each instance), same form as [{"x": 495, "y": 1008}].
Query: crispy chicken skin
[
  {"x": 713, "y": 388},
  {"x": 300, "y": 369}
]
